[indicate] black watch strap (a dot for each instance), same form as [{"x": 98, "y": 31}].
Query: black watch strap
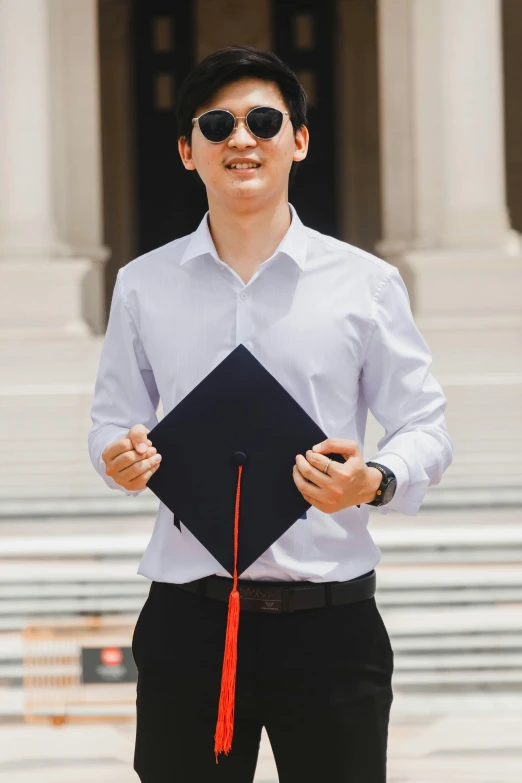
[{"x": 388, "y": 477}]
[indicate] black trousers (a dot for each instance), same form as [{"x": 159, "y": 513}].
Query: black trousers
[{"x": 318, "y": 680}]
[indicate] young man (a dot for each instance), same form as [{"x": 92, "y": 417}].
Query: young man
[{"x": 333, "y": 324}]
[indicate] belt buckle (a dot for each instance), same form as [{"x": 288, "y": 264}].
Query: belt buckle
[{"x": 261, "y": 599}]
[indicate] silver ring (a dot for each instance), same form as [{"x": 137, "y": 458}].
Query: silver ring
[{"x": 327, "y": 466}]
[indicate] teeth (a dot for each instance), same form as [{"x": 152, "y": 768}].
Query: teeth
[{"x": 244, "y": 165}]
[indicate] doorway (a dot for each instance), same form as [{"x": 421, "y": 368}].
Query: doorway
[
  {"x": 170, "y": 201},
  {"x": 304, "y": 37}
]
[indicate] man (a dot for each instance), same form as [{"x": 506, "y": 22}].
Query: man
[{"x": 333, "y": 324}]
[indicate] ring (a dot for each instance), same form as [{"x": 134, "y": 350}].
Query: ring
[{"x": 327, "y": 466}]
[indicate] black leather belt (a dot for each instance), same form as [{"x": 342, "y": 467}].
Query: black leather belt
[{"x": 275, "y": 597}]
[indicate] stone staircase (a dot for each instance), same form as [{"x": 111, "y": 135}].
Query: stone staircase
[{"x": 449, "y": 590}]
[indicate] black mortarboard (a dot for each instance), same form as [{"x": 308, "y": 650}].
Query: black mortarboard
[
  {"x": 228, "y": 450},
  {"x": 238, "y": 409}
]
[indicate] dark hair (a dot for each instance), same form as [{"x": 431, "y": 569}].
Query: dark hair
[{"x": 230, "y": 65}]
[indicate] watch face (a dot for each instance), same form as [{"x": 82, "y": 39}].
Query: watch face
[{"x": 389, "y": 492}]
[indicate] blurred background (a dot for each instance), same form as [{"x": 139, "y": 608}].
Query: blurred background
[{"x": 416, "y": 155}]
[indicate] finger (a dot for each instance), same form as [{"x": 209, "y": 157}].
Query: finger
[
  {"x": 141, "y": 481},
  {"x": 311, "y": 473},
  {"x": 337, "y": 446},
  {"x": 138, "y": 435},
  {"x": 319, "y": 461},
  {"x": 113, "y": 450},
  {"x": 303, "y": 486},
  {"x": 128, "y": 458},
  {"x": 140, "y": 467}
]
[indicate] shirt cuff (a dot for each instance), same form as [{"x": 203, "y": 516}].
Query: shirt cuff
[{"x": 396, "y": 464}]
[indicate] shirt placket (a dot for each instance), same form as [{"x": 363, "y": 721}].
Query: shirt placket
[
  {"x": 244, "y": 302},
  {"x": 243, "y": 314}
]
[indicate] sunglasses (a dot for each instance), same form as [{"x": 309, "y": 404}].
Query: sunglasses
[{"x": 263, "y": 122}]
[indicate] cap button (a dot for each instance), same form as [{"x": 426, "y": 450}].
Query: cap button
[{"x": 239, "y": 458}]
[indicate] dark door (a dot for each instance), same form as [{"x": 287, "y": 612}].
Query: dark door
[
  {"x": 170, "y": 200},
  {"x": 303, "y": 34}
]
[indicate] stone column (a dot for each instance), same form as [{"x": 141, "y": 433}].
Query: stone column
[
  {"x": 442, "y": 139},
  {"x": 40, "y": 285},
  {"x": 26, "y": 217},
  {"x": 473, "y": 129}
]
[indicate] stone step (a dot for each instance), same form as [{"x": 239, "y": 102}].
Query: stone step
[
  {"x": 469, "y": 620},
  {"x": 468, "y": 544},
  {"x": 474, "y": 661},
  {"x": 454, "y": 680},
  {"x": 53, "y": 571},
  {"x": 72, "y": 605},
  {"x": 450, "y": 596},
  {"x": 77, "y": 546},
  {"x": 440, "y": 644},
  {"x": 59, "y": 502},
  {"x": 430, "y": 577},
  {"x": 437, "y": 545},
  {"x": 38, "y": 592},
  {"x": 480, "y": 536}
]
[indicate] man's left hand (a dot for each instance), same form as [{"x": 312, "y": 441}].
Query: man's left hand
[{"x": 344, "y": 485}]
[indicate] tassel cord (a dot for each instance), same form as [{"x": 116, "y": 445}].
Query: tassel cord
[{"x": 225, "y": 721}]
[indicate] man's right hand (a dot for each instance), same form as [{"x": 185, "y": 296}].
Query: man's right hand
[{"x": 132, "y": 460}]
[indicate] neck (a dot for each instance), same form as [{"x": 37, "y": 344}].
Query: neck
[{"x": 245, "y": 239}]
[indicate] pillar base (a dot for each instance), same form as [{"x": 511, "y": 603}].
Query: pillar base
[
  {"x": 43, "y": 296},
  {"x": 462, "y": 283}
]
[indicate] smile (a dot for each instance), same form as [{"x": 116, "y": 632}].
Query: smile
[{"x": 244, "y": 166}]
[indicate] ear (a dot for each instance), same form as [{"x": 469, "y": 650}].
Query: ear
[
  {"x": 301, "y": 143},
  {"x": 185, "y": 153}
]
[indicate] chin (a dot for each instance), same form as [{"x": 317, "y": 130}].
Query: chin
[{"x": 248, "y": 190}]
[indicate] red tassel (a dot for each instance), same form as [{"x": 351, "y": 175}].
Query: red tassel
[{"x": 225, "y": 721}]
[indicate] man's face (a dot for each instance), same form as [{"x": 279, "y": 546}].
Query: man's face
[{"x": 274, "y": 157}]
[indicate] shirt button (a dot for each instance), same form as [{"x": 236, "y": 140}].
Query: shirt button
[{"x": 243, "y": 296}]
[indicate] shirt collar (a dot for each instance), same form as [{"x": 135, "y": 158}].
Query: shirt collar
[{"x": 293, "y": 244}]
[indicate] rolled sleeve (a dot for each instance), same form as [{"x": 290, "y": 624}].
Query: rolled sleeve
[
  {"x": 405, "y": 399},
  {"x": 125, "y": 391}
]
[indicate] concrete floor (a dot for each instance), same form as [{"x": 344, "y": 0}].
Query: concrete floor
[{"x": 433, "y": 739}]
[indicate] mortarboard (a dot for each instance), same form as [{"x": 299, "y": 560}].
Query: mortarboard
[{"x": 254, "y": 429}]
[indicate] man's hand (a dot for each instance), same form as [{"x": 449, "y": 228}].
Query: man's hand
[
  {"x": 132, "y": 460},
  {"x": 344, "y": 485}
]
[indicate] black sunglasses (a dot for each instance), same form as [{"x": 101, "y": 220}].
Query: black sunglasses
[{"x": 263, "y": 122}]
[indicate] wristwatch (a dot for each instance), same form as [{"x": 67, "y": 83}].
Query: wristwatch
[{"x": 387, "y": 487}]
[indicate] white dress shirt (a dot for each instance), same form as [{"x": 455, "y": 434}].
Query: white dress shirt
[{"x": 332, "y": 323}]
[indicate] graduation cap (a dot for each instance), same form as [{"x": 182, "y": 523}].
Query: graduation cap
[{"x": 238, "y": 496}]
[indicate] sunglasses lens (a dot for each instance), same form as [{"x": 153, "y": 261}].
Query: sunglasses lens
[
  {"x": 216, "y": 125},
  {"x": 265, "y": 122}
]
